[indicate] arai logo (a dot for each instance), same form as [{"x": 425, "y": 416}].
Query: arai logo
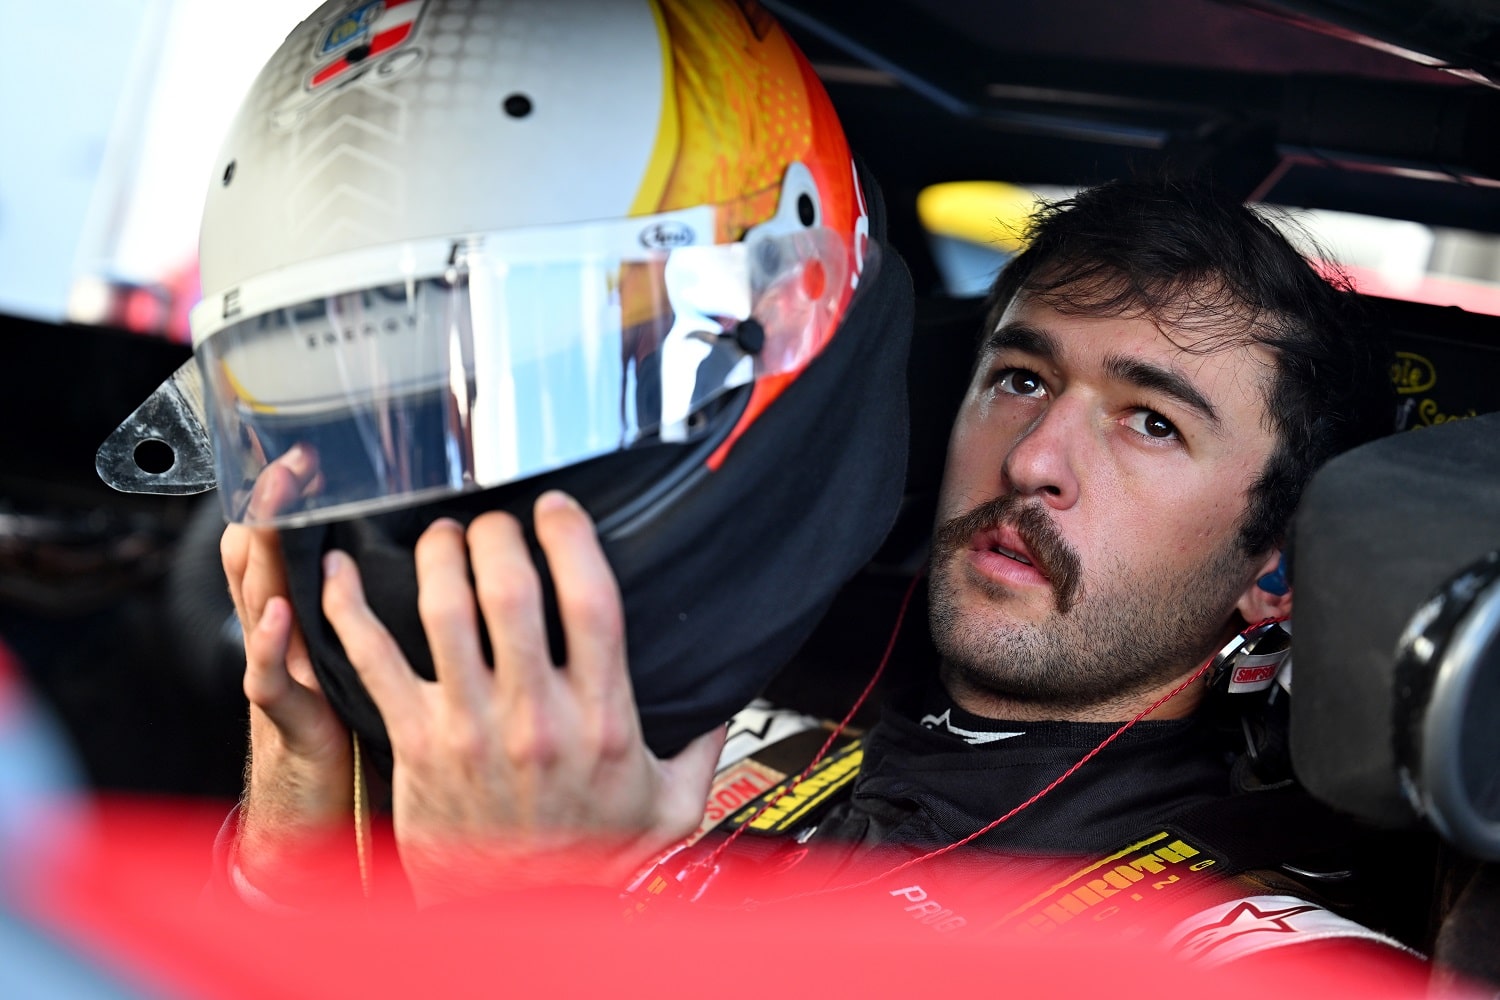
[{"x": 668, "y": 235}]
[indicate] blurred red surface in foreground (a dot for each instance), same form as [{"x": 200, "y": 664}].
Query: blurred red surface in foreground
[{"x": 130, "y": 898}]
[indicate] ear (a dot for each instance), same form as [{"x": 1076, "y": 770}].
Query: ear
[{"x": 1270, "y": 596}]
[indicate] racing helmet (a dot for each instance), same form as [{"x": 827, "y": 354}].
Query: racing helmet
[{"x": 456, "y": 252}]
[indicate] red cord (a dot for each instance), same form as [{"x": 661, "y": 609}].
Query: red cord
[
  {"x": 838, "y": 730},
  {"x": 1196, "y": 674},
  {"x": 1055, "y": 782},
  {"x": 708, "y": 864}
]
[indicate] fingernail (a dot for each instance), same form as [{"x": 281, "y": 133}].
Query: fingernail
[
  {"x": 334, "y": 562},
  {"x": 556, "y": 500}
]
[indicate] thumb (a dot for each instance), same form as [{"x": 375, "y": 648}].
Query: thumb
[{"x": 689, "y": 776}]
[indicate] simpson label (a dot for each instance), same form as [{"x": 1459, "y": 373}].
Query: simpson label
[{"x": 735, "y": 786}]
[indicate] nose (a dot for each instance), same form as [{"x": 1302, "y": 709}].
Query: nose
[{"x": 1044, "y": 460}]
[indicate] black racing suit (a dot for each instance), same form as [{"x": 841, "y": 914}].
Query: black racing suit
[
  {"x": 922, "y": 783},
  {"x": 1151, "y": 832}
]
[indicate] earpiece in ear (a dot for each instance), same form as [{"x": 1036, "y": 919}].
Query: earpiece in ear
[{"x": 1275, "y": 582}]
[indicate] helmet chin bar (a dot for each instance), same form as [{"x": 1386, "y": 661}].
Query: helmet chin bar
[{"x": 662, "y": 491}]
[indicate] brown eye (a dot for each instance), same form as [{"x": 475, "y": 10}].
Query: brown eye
[
  {"x": 1020, "y": 382},
  {"x": 1151, "y": 424}
]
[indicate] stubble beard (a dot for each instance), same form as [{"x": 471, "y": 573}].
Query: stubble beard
[{"x": 1132, "y": 633}]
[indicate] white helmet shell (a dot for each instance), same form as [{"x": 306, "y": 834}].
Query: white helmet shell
[
  {"x": 621, "y": 209},
  {"x": 406, "y": 119}
]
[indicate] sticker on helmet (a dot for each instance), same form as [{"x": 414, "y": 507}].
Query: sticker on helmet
[
  {"x": 348, "y": 28},
  {"x": 371, "y": 35},
  {"x": 368, "y": 31},
  {"x": 668, "y": 235}
]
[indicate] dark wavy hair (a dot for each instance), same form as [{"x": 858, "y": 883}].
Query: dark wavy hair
[{"x": 1196, "y": 260}]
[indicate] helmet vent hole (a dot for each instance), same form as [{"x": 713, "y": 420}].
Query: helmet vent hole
[
  {"x": 155, "y": 457},
  {"x": 517, "y": 105},
  {"x": 357, "y": 54},
  {"x": 805, "y": 210},
  {"x": 229, "y": 173}
]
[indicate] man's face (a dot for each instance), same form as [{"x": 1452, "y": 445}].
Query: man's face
[{"x": 1087, "y": 544}]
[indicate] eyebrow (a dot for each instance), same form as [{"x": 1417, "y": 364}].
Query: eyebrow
[
  {"x": 1159, "y": 379},
  {"x": 1020, "y": 337},
  {"x": 1146, "y": 375}
]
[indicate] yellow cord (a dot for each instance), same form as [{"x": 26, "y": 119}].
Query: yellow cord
[{"x": 361, "y": 819}]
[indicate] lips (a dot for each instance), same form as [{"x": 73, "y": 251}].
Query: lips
[
  {"x": 1001, "y": 557},
  {"x": 1014, "y": 540},
  {"x": 1005, "y": 540}
]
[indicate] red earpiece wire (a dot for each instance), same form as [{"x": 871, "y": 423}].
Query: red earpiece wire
[
  {"x": 708, "y": 865},
  {"x": 1186, "y": 683},
  {"x": 838, "y": 730}
]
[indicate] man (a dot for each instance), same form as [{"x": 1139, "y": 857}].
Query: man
[{"x": 1158, "y": 375}]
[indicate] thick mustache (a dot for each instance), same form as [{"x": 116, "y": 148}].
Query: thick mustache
[{"x": 1051, "y": 554}]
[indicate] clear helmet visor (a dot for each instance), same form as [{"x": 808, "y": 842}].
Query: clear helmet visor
[{"x": 478, "y": 362}]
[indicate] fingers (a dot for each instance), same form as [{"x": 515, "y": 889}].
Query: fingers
[
  {"x": 513, "y": 766},
  {"x": 266, "y": 679},
  {"x": 254, "y": 568},
  {"x": 691, "y": 772},
  {"x": 510, "y": 598},
  {"x": 686, "y": 780},
  {"x": 588, "y": 599},
  {"x": 234, "y": 555},
  {"x": 268, "y": 685},
  {"x": 299, "y": 661},
  {"x": 375, "y": 655},
  {"x": 292, "y": 476},
  {"x": 298, "y": 779},
  {"x": 445, "y": 603}
]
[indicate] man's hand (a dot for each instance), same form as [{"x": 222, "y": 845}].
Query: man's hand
[
  {"x": 527, "y": 774},
  {"x": 299, "y": 780}
]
